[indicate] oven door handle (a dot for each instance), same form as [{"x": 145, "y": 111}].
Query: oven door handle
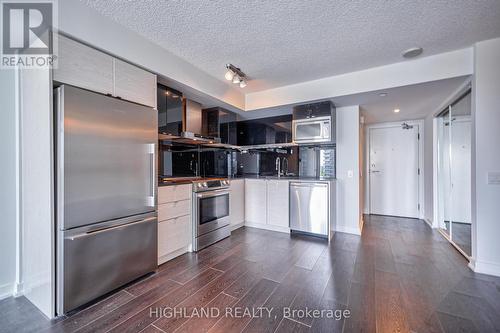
[{"x": 216, "y": 193}]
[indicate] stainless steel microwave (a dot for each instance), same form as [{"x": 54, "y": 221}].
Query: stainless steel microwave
[{"x": 311, "y": 130}]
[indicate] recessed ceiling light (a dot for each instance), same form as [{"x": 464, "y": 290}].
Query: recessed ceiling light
[
  {"x": 412, "y": 52},
  {"x": 396, "y": 110},
  {"x": 382, "y": 94}
]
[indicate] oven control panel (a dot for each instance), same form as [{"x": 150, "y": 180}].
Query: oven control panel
[{"x": 210, "y": 184}]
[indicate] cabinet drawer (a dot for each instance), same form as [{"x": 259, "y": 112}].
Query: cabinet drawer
[
  {"x": 174, "y": 193},
  {"x": 174, "y": 234},
  {"x": 173, "y": 209}
]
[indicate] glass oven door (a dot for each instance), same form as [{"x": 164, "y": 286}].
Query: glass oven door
[{"x": 212, "y": 210}]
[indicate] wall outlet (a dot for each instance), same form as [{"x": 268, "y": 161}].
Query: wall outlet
[
  {"x": 350, "y": 173},
  {"x": 494, "y": 178}
]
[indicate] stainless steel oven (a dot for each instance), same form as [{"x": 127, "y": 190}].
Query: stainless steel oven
[{"x": 210, "y": 212}]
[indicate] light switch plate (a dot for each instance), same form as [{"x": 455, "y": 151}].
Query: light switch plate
[{"x": 494, "y": 178}]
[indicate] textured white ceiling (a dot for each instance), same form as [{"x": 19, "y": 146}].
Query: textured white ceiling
[
  {"x": 415, "y": 101},
  {"x": 289, "y": 41}
]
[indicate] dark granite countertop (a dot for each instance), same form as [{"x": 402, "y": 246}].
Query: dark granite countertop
[
  {"x": 189, "y": 180},
  {"x": 284, "y": 178},
  {"x": 177, "y": 181}
]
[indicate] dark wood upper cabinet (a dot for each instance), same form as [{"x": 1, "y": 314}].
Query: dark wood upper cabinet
[
  {"x": 210, "y": 122},
  {"x": 220, "y": 123},
  {"x": 170, "y": 106},
  {"x": 265, "y": 131}
]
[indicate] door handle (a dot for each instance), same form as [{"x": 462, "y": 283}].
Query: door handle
[
  {"x": 98, "y": 231},
  {"x": 375, "y": 171},
  {"x": 152, "y": 160},
  {"x": 216, "y": 193}
]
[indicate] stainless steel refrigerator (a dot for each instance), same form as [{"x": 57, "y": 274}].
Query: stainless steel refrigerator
[{"x": 106, "y": 212}]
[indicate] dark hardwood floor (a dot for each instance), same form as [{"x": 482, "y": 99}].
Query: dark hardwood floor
[{"x": 400, "y": 276}]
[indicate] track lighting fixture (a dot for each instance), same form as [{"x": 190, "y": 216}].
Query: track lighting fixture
[{"x": 235, "y": 75}]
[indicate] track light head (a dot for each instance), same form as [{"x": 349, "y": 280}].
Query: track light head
[
  {"x": 229, "y": 75},
  {"x": 235, "y": 75}
]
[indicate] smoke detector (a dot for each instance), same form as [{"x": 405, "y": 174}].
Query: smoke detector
[{"x": 412, "y": 52}]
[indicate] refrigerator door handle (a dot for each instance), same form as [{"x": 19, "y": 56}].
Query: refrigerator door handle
[
  {"x": 98, "y": 231},
  {"x": 152, "y": 160}
]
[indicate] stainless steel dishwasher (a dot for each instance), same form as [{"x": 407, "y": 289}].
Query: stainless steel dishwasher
[{"x": 310, "y": 207}]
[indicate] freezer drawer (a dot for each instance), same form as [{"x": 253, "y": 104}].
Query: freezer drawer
[
  {"x": 94, "y": 262},
  {"x": 309, "y": 207}
]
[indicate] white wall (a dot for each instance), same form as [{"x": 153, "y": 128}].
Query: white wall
[
  {"x": 7, "y": 182},
  {"x": 361, "y": 172},
  {"x": 428, "y": 168},
  {"x": 348, "y": 188},
  {"x": 486, "y": 157},
  {"x": 37, "y": 223}
]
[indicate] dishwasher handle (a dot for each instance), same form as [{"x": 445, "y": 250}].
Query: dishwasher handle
[{"x": 307, "y": 184}]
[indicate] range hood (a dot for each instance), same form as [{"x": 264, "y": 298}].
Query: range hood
[
  {"x": 189, "y": 138},
  {"x": 192, "y": 127}
]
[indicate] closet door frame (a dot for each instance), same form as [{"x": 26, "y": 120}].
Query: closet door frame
[{"x": 437, "y": 140}]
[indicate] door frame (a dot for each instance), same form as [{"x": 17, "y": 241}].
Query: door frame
[
  {"x": 436, "y": 139},
  {"x": 421, "y": 129}
]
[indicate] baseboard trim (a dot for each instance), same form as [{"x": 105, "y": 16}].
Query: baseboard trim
[
  {"x": 429, "y": 222},
  {"x": 268, "y": 227},
  {"x": 237, "y": 225},
  {"x": 348, "y": 230},
  {"x": 6, "y": 290},
  {"x": 167, "y": 257},
  {"x": 18, "y": 289},
  {"x": 484, "y": 267}
]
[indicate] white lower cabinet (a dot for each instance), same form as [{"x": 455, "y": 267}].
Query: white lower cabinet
[
  {"x": 174, "y": 237},
  {"x": 266, "y": 204},
  {"x": 237, "y": 203},
  {"x": 174, "y": 221},
  {"x": 277, "y": 203},
  {"x": 255, "y": 202}
]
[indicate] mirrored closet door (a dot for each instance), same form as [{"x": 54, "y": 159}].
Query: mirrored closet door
[{"x": 454, "y": 173}]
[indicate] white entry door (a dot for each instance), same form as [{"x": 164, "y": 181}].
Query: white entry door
[{"x": 394, "y": 171}]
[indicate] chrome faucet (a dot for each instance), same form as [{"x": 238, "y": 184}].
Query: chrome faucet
[
  {"x": 285, "y": 166},
  {"x": 278, "y": 166}
]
